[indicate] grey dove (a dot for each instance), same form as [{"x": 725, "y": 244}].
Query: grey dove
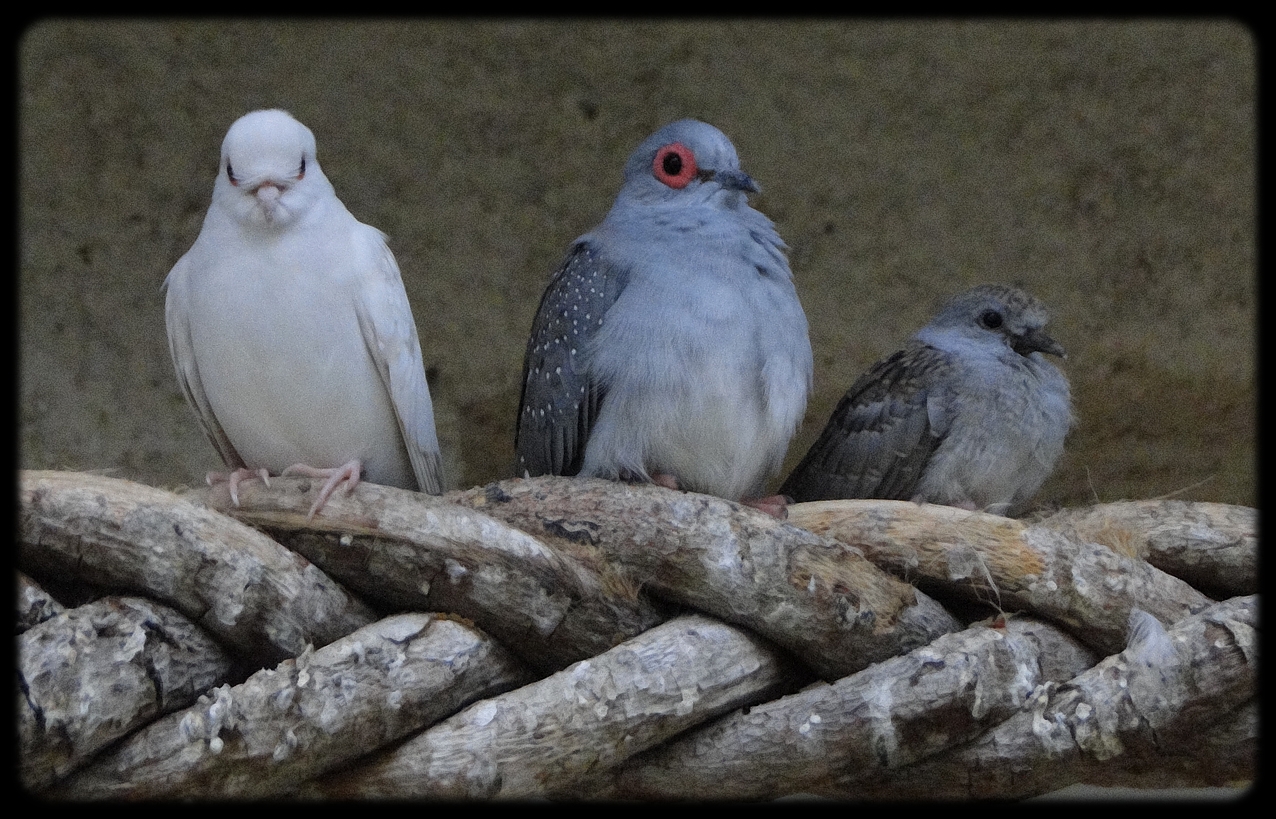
[
  {"x": 670, "y": 346},
  {"x": 969, "y": 413},
  {"x": 290, "y": 330}
]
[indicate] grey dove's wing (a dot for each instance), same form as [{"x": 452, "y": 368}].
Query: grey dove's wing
[
  {"x": 561, "y": 396},
  {"x": 881, "y": 436},
  {"x": 182, "y": 350},
  {"x": 389, "y": 331}
]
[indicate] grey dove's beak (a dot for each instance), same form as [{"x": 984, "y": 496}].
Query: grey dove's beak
[{"x": 736, "y": 181}]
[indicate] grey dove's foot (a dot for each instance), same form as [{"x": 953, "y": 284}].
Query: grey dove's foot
[
  {"x": 777, "y": 506},
  {"x": 667, "y": 481},
  {"x": 348, "y": 472},
  {"x": 235, "y": 478}
]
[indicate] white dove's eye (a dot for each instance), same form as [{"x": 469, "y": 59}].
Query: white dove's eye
[
  {"x": 301, "y": 172},
  {"x": 230, "y": 174},
  {"x": 990, "y": 319}
]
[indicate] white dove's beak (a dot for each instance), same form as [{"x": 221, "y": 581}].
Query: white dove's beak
[{"x": 268, "y": 192}]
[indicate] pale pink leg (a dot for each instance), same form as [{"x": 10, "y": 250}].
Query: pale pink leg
[
  {"x": 667, "y": 481},
  {"x": 235, "y": 478},
  {"x": 347, "y": 472},
  {"x": 777, "y": 506}
]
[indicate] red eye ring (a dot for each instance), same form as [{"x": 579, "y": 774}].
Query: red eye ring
[{"x": 674, "y": 165}]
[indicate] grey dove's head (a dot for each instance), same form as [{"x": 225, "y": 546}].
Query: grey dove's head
[
  {"x": 994, "y": 317},
  {"x": 269, "y": 175},
  {"x": 686, "y": 161}
]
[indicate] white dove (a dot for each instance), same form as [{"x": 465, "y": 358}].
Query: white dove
[
  {"x": 969, "y": 413},
  {"x": 290, "y": 330},
  {"x": 670, "y": 346}
]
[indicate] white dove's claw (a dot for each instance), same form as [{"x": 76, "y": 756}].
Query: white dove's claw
[
  {"x": 349, "y": 472},
  {"x": 234, "y": 478}
]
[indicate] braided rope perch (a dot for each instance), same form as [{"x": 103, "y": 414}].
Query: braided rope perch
[{"x": 583, "y": 639}]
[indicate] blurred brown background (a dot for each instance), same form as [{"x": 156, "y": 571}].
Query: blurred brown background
[{"x": 1108, "y": 167}]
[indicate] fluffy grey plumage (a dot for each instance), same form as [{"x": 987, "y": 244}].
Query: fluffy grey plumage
[
  {"x": 671, "y": 341},
  {"x": 289, "y": 327},
  {"x": 969, "y": 413}
]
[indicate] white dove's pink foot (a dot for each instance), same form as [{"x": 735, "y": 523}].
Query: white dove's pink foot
[
  {"x": 777, "y": 506},
  {"x": 348, "y": 472},
  {"x": 235, "y": 478}
]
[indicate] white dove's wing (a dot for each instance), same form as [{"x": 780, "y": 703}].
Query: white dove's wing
[
  {"x": 385, "y": 319},
  {"x": 180, "y": 347}
]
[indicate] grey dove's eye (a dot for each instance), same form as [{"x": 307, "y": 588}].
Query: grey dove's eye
[
  {"x": 990, "y": 319},
  {"x": 674, "y": 165}
]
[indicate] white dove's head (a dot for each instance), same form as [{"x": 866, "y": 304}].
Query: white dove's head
[
  {"x": 269, "y": 175},
  {"x": 993, "y": 316},
  {"x": 687, "y": 160}
]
